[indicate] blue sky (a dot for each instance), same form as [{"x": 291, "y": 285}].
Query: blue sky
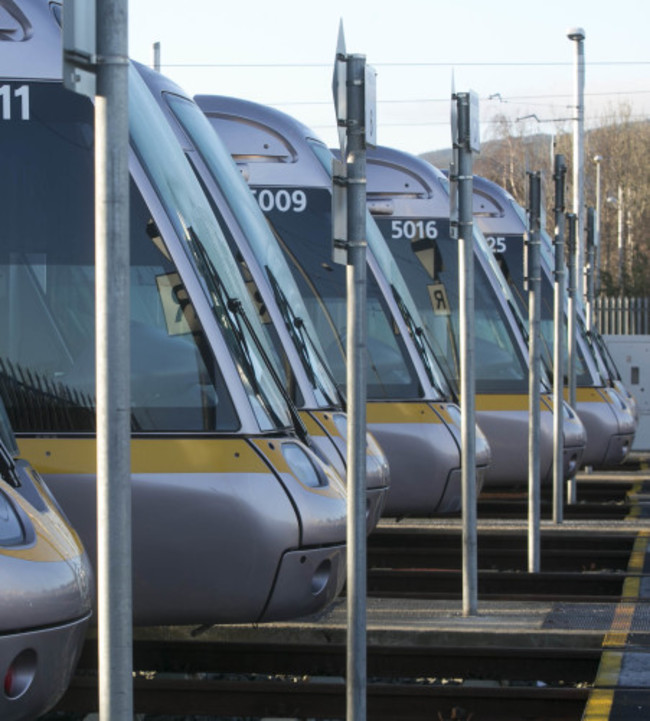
[{"x": 281, "y": 53}]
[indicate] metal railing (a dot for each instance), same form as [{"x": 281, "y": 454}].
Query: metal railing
[{"x": 622, "y": 316}]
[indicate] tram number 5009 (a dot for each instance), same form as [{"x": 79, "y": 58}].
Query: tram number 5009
[
  {"x": 413, "y": 229},
  {"x": 285, "y": 201},
  {"x": 14, "y": 100}
]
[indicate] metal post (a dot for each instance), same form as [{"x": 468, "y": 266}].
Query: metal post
[
  {"x": 464, "y": 185},
  {"x": 115, "y": 634},
  {"x": 589, "y": 270},
  {"x": 534, "y": 281},
  {"x": 356, "y": 385},
  {"x": 619, "y": 237},
  {"x": 577, "y": 35},
  {"x": 598, "y": 159},
  {"x": 572, "y": 223},
  {"x": 559, "y": 341},
  {"x": 156, "y": 57}
]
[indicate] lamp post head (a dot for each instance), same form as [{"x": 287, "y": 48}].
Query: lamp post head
[
  {"x": 598, "y": 159},
  {"x": 577, "y": 34}
]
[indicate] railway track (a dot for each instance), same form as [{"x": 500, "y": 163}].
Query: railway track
[
  {"x": 183, "y": 678},
  {"x": 318, "y": 699},
  {"x": 426, "y": 564},
  {"x": 594, "y": 499},
  {"x": 560, "y": 551},
  {"x": 303, "y": 681}
]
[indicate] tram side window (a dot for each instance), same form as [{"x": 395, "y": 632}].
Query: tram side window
[{"x": 47, "y": 326}]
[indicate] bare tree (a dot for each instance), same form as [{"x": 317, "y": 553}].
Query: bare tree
[{"x": 624, "y": 144}]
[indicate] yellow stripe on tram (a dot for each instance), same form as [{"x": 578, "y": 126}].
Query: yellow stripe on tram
[
  {"x": 148, "y": 455},
  {"x": 397, "y": 413}
]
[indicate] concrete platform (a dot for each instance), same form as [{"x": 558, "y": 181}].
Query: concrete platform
[{"x": 402, "y": 622}]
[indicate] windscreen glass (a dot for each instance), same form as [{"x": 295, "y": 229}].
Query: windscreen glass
[
  {"x": 402, "y": 296},
  {"x": 11, "y": 529},
  {"x": 508, "y": 251},
  {"x": 428, "y": 260},
  {"x": 47, "y": 286},
  {"x": 205, "y": 245},
  {"x": 305, "y": 238},
  {"x": 7, "y": 437},
  {"x": 264, "y": 248}
]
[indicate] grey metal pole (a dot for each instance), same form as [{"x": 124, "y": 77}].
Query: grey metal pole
[
  {"x": 559, "y": 341},
  {"x": 572, "y": 223},
  {"x": 115, "y": 633},
  {"x": 619, "y": 237},
  {"x": 577, "y": 35},
  {"x": 156, "y": 57},
  {"x": 356, "y": 386},
  {"x": 464, "y": 181},
  {"x": 534, "y": 279},
  {"x": 598, "y": 159},
  {"x": 591, "y": 232}
]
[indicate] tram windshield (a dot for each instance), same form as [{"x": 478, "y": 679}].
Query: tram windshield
[
  {"x": 602, "y": 353},
  {"x": 305, "y": 239},
  {"x": 508, "y": 252},
  {"x": 47, "y": 278},
  {"x": 265, "y": 249},
  {"x": 398, "y": 287},
  {"x": 205, "y": 244},
  {"x": 428, "y": 260},
  {"x": 7, "y": 437}
]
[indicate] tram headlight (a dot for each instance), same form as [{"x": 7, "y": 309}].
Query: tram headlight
[
  {"x": 302, "y": 465},
  {"x": 11, "y": 528},
  {"x": 454, "y": 413},
  {"x": 341, "y": 423},
  {"x": 616, "y": 398},
  {"x": 567, "y": 411}
]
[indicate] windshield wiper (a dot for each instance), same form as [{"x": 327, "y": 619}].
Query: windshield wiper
[
  {"x": 304, "y": 342},
  {"x": 8, "y": 467},
  {"x": 235, "y": 310},
  {"x": 422, "y": 344}
]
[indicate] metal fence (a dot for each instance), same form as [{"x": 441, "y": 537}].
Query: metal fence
[{"x": 622, "y": 316}]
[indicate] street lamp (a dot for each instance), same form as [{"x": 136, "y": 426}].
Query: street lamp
[
  {"x": 577, "y": 35},
  {"x": 618, "y": 203}
]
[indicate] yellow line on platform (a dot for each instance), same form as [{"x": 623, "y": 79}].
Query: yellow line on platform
[
  {"x": 599, "y": 705},
  {"x": 601, "y": 698}
]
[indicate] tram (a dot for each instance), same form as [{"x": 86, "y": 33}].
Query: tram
[
  {"x": 410, "y": 410},
  {"x": 607, "y": 415},
  {"x": 303, "y": 367},
  {"x": 235, "y": 518},
  {"x": 409, "y": 200},
  {"x": 46, "y": 589}
]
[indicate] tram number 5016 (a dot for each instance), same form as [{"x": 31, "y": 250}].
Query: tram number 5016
[
  {"x": 285, "y": 201},
  {"x": 413, "y": 229},
  {"x": 14, "y": 100}
]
